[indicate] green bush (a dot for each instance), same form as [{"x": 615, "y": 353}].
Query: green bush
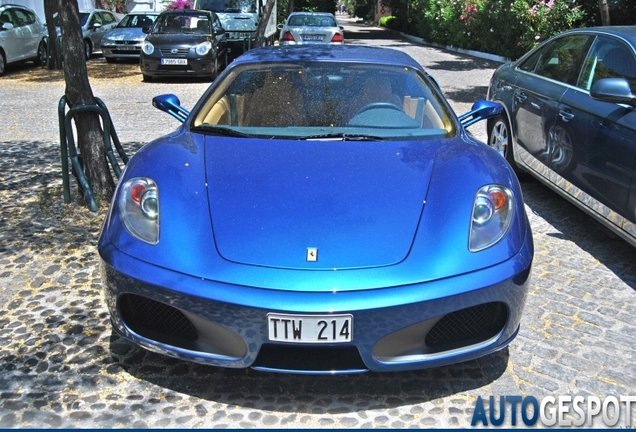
[
  {"x": 503, "y": 27},
  {"x": 389, "y": 22}
]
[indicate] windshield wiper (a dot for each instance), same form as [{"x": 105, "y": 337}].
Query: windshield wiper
[
  {"x": 345, "y": 137},
  {"x": 223, "y": 131}
]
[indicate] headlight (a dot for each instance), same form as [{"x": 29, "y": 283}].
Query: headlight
[
  {"x": 147, "y": 48},
  {"x": 493, "y": 211},
  {"x": 203, "y": 48},
  {"x": 139, "y": 209}
]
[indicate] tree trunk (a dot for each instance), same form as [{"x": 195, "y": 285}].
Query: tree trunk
[
  {"x": 55, "y": 57},
  {"x": 262, "y": 23},
  {"x": 79, "y": 92},
  {"x": 604, "y": 9}
]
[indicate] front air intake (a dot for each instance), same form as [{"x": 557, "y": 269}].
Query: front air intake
[
  {"x": 155, "y": 320},
  {"x": 467, "y": 326}
]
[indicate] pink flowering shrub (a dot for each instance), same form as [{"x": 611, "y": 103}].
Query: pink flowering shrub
[
  {"x": 179, "y": 4},
  {"x": 504, "y": 27}
]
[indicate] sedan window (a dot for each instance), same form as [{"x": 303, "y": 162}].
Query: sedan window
[
  {"x": 6, "y": 17},
  {"x": 560, "y": 61},
  {"x": 108, "y": 17},
  {"x": 608, "y": 58}
]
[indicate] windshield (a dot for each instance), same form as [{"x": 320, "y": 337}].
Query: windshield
[
  {"x": 325, "y": 100},
  {"x": 311, "y": 21},
  {"x": 180, "y": 23},
  {"x": 236, "y": 6},
  {"x": 137, "y": 21}
]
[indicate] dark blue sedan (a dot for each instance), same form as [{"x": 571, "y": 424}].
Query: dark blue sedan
[
  {"x": 320, "y": 210},
  {"x": 569, "y": 120}
]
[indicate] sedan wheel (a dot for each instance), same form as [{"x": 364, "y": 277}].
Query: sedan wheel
[
  {"x": 88, "y": 50},
  {"x": 42, "y": 59},
  {"x": 3, "y": 63},
  {"x": 500, "y": 138}
]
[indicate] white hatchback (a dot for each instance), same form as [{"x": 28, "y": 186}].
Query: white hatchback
[{"x": 22, "y": 36}]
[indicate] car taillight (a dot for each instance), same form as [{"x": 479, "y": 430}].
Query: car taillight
[
  {"x": 337, "y": 38},
  {"x": 287, "y": 36}
]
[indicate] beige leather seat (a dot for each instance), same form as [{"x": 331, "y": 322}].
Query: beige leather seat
[{"x": 277, "y": 103}]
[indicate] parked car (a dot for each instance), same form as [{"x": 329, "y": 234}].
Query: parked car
[
  {"x": 296, "y": 222},
  {"x": 184, "y": 42},
  {"x": 22, "y": 36},
  {"x": 569, "y": 120},
  {"x": 95, "y": 23},
  {"x": 311, "y": 28},
  {"x": 124, "y": 41}
]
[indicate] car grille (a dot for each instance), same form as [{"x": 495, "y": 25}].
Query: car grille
[
  {"x": 156, "y": 320},
  {"x": 181, "y": 52},
  {"x": 309, "y": 359},
  {"x": 467, "y": 326}
]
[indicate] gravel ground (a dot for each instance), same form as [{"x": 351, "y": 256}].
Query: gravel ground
[{"x": 62, "y": 367}]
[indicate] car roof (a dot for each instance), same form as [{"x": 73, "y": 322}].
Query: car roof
[
  {"x": 187, "y": 12},
  {"x": 311, "y": 13},
  {"x": 626, "y": 32},
  {"x": 11, "y": 5},
  {"x": 343, "y": 53}
]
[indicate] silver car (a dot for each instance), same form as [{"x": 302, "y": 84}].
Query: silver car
[
  {"x": 95, "y": 24},
  {"x": 22, "y": 36},
  {"x": 311, "y": 28},
  {"x": 124, "y": 42}
]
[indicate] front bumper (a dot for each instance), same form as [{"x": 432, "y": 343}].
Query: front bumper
[
  {"x": 198, "y": 67},
  {"x": 131, "y": 52},
  {"x": 228, "y": 327}
]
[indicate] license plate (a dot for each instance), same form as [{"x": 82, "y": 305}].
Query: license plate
[
  {"x": 312, "y": 38},
  {"x": 126, "y": 47},
  {"x": 168, "y": 61},
  {"x": 310, "y": 328}
]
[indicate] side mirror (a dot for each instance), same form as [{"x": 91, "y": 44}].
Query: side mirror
[
  {"x": 481, "y": 110},
  {"x": 171, "y": 104},
  {"x": 146, "y": 29},
  {"x": 7, "y": 26},
  {"x": 280, "y": 26},
  {"x": 219, "y": 31},
  {"x": 613, "y": 90}
]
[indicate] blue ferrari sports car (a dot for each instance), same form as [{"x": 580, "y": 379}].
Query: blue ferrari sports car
[{"x": 320, "y": 210}]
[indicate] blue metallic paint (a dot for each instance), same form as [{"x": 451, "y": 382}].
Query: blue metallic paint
[{"x": 422, "y": 271}]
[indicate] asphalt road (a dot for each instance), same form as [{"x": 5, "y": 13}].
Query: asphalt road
[{"x": 61, "y": 366}]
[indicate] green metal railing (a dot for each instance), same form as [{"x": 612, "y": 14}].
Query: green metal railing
[{"x": 69, "y": 151}]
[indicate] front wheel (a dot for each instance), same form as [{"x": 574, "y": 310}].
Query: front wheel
[
  {"x": 3, "y": 63},
  {"x": 42, "y": 59},
  {"x": 88, "y": 50},
  {"x": 500, "y": 139}
]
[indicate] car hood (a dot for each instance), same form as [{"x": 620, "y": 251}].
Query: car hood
[
  {"x": 125, "y": 34},
  {"x": 171, "y": 39},
  {"x": 352, "y": 204}
]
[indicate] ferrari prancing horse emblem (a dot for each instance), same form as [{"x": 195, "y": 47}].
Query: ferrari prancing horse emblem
[{"x": 312, "y": 254}]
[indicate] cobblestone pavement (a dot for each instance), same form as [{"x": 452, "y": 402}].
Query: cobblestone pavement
[{"x": 61, "y": 366}]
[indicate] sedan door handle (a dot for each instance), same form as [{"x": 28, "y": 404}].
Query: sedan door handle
[
  {"x": 520, "y": 97},
  {"x": 566, "y": 115}
]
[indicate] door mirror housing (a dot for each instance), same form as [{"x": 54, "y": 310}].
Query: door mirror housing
[{"x": 613, "y": 90}]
